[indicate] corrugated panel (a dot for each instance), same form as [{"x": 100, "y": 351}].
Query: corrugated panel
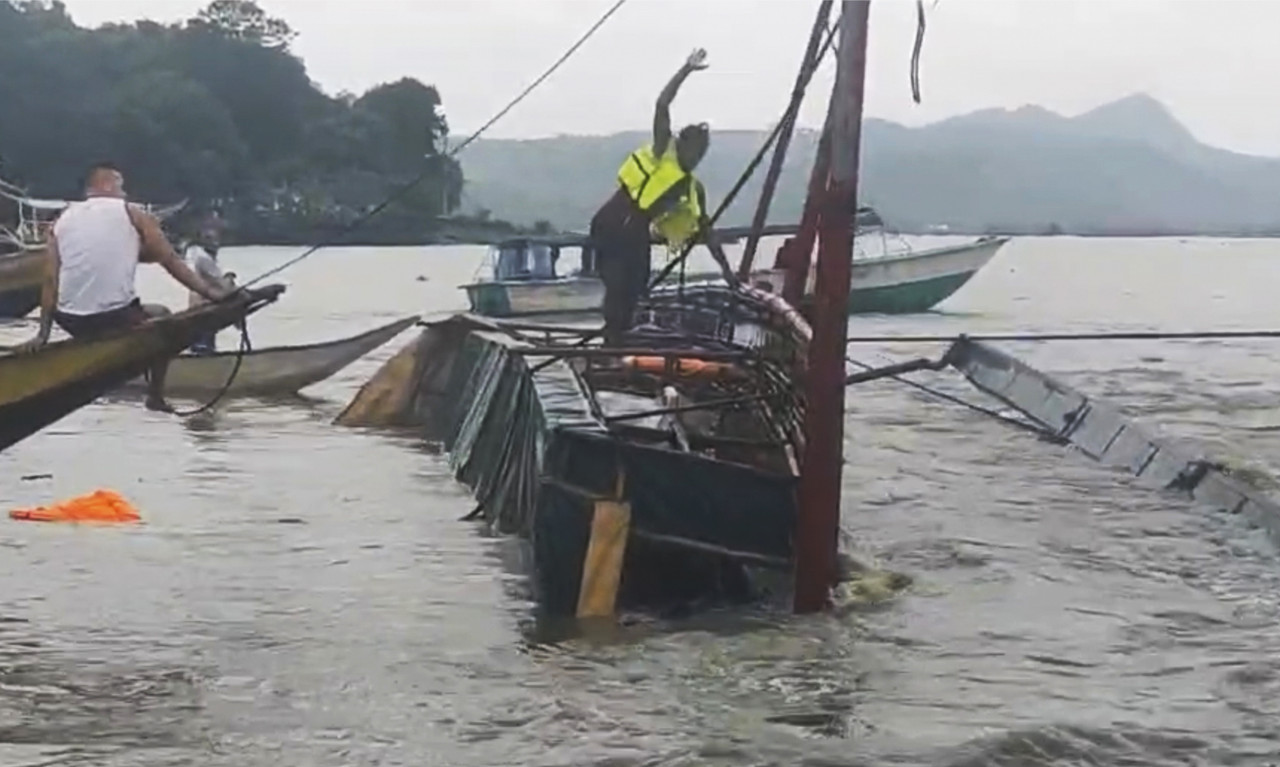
[{"x": 1103, "y": 432}]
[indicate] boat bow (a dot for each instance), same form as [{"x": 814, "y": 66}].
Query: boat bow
[{"x": 39, "y": 388}]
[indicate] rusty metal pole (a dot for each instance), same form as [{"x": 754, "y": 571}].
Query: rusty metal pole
[
  {"x": 800, "y": 251},
  {"x": 818, "y": 521},
  {"x": 808, "y": 64}
]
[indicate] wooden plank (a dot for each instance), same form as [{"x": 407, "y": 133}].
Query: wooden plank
[{"x": 602, "y": 566}]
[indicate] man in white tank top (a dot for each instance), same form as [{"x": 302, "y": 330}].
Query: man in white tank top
[{"x": 93, "y": 255}]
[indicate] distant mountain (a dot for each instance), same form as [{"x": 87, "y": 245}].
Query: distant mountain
[{"x": 1128, "y": 167}]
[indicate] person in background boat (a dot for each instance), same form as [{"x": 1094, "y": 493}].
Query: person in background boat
[
  {"x": 201, "y": 254},
  {"x": 89, "y": 286},
  {"x": 656, "y": 190}
]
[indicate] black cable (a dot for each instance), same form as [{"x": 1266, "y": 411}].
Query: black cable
[
  {"x": 1139, "y": 335},
  {"x": 404, "y": 189},
  {"x": 245, "y": 348},
  {"x": 958, "y": 401}
]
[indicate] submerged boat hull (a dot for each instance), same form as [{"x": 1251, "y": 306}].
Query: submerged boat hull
[
  {"x": 275, "y": 371},
  {"x": 900, "y": 284}
]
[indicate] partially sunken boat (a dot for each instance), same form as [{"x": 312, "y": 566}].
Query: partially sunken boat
[
  {"x": 273, "y": 372},
  {"x": 701, "y": 452},
  {"x": 661, "y": 470},
  {"x": 39, "y": 388}
]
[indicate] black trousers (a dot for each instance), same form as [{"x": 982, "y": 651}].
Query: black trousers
[{"x": 623, "y": 263}]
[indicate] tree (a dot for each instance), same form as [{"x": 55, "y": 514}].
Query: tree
[
  {"x": 217, "y": 109},
  {"x": 244, "y": 20},
  {"x": 174, "y": 137},
  {"x": 413, "y": 112}
]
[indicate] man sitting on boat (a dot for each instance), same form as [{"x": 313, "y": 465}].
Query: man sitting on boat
[
  {"x": 201, "y": 254},
  {"x": 656, "y": 189},
  {"x": 93, "y": 253}
]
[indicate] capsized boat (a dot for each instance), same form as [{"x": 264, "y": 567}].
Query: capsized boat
[
  {"x": 661, "y": 470},
  {"x": 39, "y": 388},
  {"x": 276, "y": 371},
  {"x": 523, "y": 277}
]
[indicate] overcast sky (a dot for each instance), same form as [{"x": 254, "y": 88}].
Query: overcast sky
[{"x": 1213, "y": 62}]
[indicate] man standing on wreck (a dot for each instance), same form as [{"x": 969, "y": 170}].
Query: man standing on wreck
[{"x": 656, "y": 189}]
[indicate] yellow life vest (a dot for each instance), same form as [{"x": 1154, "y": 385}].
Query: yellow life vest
[{"x": 648, "y": 178}]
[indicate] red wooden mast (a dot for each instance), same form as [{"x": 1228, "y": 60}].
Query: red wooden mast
[{"x": 818, "y": 520}]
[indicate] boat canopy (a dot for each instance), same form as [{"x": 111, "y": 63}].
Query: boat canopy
[{"x": 522, "y": 259}]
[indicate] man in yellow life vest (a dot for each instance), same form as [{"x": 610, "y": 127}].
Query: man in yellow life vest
[{"x": 656, "y": 191}]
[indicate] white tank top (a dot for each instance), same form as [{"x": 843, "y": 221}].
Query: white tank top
[{"x": 98, "y": 246}]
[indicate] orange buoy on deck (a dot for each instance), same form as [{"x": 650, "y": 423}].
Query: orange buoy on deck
[
  {"x": 685, "y": 366},
  {"x": 98, "y": 506}
]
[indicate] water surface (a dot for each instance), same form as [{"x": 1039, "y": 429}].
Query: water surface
[{"x": 301, "y": 594}]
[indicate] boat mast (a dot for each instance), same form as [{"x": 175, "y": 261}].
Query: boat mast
[
  {"x": 812, "y": 57},
  {"x": 818, "y": 518}
]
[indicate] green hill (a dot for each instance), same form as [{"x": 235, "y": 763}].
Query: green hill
[{"x": 1128, "y": 167}]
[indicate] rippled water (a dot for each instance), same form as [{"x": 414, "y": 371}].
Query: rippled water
[{"x": 301, "y": 594}]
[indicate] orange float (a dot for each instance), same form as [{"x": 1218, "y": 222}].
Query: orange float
[
  {"x": 98, "y": 506},
  {"x": 685, "y": 366}
]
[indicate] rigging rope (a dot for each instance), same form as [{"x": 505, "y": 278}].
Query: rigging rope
[
  {"x": 1137, "y": 335},
  {"x": 679, "y": 261},
  {"x": 957, "y": 400},
  {"x": 245, "y": 348},
  {"x": 406, "y": 188}
]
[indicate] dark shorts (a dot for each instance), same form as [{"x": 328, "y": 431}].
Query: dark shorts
[{"x": 88, "y": 325}]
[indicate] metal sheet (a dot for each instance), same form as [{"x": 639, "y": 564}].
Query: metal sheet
[{"x": 1103, "y": 432}]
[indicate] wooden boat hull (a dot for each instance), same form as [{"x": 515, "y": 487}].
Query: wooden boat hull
[
  {"x": 899, "y": 284},
  {"x": 275, "y": 371},
  {"x": 20, "y": 275},
  {"x": 536, "y": 447},
  {"x": 39, "y": 388}
]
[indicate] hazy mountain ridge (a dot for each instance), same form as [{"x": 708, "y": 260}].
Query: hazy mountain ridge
[{"x": 1128, "y": 167}]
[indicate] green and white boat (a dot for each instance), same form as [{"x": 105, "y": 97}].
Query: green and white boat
[{"x": 520, "y": 276}]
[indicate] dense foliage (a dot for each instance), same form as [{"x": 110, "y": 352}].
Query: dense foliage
[{"x": 219, "y": 111}]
